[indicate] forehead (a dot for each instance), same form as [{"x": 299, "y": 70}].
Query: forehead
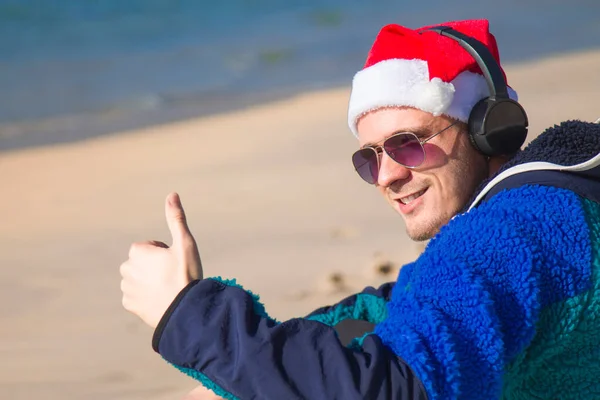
[{"x": 376, "y": 125}]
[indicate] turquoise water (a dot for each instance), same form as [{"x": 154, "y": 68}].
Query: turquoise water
[{"x": 73, "y": 69}]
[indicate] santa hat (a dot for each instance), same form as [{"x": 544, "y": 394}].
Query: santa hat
[{"x": 424, "y": 70}]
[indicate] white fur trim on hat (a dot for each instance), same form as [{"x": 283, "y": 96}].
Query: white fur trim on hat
[{"x": 399, "y": 82}]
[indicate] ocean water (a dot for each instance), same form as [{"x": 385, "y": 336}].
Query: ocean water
[{"x": 74, "y": 69}]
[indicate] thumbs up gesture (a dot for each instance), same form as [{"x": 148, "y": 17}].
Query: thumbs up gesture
[{"x": 155, "y": 273}]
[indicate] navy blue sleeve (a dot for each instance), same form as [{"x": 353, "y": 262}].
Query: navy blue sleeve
[{"x": 220, "y": 334}]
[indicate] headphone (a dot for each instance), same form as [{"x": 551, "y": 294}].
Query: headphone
[{"x": 497, "y": 124}]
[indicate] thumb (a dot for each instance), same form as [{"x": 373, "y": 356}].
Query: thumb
[{"x": 176, "y": 220}]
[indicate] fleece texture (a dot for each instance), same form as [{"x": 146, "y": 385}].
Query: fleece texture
[
  {"x": 565, "y": 354},
  {"x": 568, "y": 143},
  {"x": 368, "y": 305},
  {"x": 470, "y": 305}
]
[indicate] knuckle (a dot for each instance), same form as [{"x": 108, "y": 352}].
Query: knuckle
[
  {"x": 179, "y": 216},
  {"x": 138, "y": 247},
  {"x": 123, "y": 268},
  {"x": 134, "y": 248},
  {"x": 188, "y": 243}
]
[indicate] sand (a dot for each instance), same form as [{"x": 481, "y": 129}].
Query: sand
[{"x": 270, "y": 195}]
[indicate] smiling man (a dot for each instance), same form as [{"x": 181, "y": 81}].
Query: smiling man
[
  {"x": 426, "y": 195},
  {"x": 503, "y": 303}
]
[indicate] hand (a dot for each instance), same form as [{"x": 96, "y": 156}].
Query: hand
[{"x": 155, "y": 273}]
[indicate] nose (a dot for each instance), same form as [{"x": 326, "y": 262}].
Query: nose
[{"x": 390, "y": 171}]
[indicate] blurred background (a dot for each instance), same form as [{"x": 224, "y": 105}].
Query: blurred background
[
  {"x": 240, "y": 106},
  {"x": 74, "y": 69}
]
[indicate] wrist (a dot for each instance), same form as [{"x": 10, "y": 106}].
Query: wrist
[{"x": 162, "y": 323}]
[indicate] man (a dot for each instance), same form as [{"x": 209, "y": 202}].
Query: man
[{"x": 503, "y": 303}]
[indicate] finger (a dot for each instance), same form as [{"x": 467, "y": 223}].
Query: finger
[
  {"x": 176, "y": 220},
  {"x": 125, "y": 288},
  {"x": 126, "y": 303},
  {"x": 124, "y": 269},
  {"x": 138, "y": 249}
]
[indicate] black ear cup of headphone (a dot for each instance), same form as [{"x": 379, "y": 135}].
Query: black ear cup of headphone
[{"x": 497, "y": 126}]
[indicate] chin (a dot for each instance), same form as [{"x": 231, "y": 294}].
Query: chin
[
  {"x": 421, "y": 235},
  {"x": 421, "y": 229}
]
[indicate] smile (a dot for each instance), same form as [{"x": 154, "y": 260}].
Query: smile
[{"x": 408, "y": 199}]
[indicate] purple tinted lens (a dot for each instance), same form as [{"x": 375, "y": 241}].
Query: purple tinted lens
[
  {"x": 365, "y": 163},
  {"x": 405, "y": 149}
]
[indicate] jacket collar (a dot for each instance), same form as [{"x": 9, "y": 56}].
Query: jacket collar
[{"x": 573, "y": 148}]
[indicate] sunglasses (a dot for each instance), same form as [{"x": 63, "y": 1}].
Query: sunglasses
[{"x": 405, "y": 148}]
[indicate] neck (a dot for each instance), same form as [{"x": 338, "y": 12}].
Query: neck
[{"x": 494, "y": 164}]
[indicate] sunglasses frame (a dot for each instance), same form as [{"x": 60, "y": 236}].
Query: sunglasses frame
[{"x": 379, "y": 148}]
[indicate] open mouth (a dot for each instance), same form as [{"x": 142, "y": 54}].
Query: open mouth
[{"x": 409, "y": 199}]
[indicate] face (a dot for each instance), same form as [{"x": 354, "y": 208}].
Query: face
[{"x": 428, "y": 196}]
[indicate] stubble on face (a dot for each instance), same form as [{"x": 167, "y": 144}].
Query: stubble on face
[
  {"x": 454, "y": 183},
  {"x": 451, "y": 172}
]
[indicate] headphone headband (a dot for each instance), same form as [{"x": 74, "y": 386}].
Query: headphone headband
[
  {"x": 497, "y": 124},
  {"x": 484, "y": 58}
]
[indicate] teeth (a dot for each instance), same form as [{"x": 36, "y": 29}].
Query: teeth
[{"x": 408, "y": 199}]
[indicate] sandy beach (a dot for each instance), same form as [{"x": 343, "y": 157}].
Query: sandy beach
[{"x": 270, "y": 195}]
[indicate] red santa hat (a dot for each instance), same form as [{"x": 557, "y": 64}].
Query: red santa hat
[{"x": 424, "y": 70}]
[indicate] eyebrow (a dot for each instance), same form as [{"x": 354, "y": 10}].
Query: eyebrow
[{"x": 420, "y": 131}]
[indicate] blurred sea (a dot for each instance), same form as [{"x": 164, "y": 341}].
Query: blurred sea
[{"x": 72, "y": 69}]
